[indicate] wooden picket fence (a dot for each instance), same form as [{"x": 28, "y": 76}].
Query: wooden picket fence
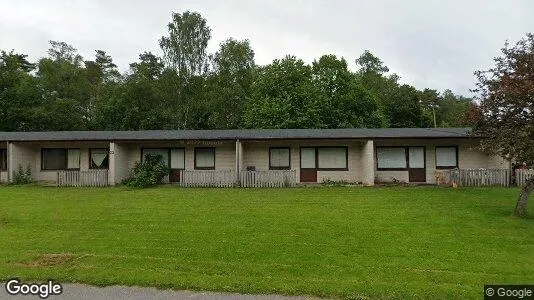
[
  {"x": 521, "y": 176},
  {"x": 91, "y": 178},
  {"x": 479, "y": 177},
  {"x": 228, "y": 178},
  {"x": 208, "y": 178},
  {"x": 271, "y": 178}
]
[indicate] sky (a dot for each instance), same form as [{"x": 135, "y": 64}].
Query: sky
[{"x": 428, "y": 43}]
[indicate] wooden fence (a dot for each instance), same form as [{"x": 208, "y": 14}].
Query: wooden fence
[
  {"x": 82, "y": 178},
  {"x": 228, "y": 178},
  {"x": 478, "y": 177},
  {"x": 208, "y": 178},
  {"x": 521, "y": 176},
  {"x": 271, "y": 178}
]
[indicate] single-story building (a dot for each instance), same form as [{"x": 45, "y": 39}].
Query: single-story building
[{"x": 356, "y": 155}]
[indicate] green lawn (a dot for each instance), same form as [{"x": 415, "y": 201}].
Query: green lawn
[{"x": 332, "y": 242}]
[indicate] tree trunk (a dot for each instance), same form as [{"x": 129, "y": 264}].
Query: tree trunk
[{"x": 521, "y": 206}]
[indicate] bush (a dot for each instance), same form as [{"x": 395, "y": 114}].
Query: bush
[
  {"x": 22, "y": 176},
  {"x": 148, "y": 173}
]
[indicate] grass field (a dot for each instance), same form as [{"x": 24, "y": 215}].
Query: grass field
[{"x": 332, "y": 242}]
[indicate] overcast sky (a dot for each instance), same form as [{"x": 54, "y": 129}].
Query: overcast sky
[{"x": 434, "y": 44}]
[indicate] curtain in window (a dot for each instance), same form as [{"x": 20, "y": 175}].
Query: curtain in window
[
  {"x": 205, "y": 158},
  {"x": 164, "y": 153},
  {"x": 307, "y": 158},
  {"x": 73, "y": 159},
  {"x": 391, "y": 158},
  {"x": 446, "y": 156},
  {"x": 279, "y": 158},
  {"x": 177, "y": 158},
  {"x": 332, "y": 158},
  {"x": 98, "y": 157}
]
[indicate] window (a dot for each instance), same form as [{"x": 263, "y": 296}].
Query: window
[
  {"x": 324, "y": 158},
  {"x": 446, "y": 157},
  {"x": 391, "y": 158},
  {"x": 3, "y": 159},
  {"x": 98, "y": 158},
  {"x": 279, "y": 159},
  {"x": 205, "y": 158},
  {"x": 163, "y": 152},
  {"x": 307, "y": 158},
  {"x": 178, "y": 158},
  {"x": 332, "y": 158},
  {"x": 60, "y": 159}
]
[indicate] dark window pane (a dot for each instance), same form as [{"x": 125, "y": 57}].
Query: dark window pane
[
  {"x": 54, "y": 159},
  {"x": 3, "y": 159}
]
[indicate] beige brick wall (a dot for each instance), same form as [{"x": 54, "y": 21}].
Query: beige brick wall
[
  {"x": 468, "y": 157},
  {"x": 119, "y": 162},
  {"x": 256, "y": 153},
  {"x": 43, "y": 175},
  {"x": 24, "y": 155},
  {"x": 368, "y": 163},
  {"x": 3, "y": 176},
  {"x": 224, "y": 152}
]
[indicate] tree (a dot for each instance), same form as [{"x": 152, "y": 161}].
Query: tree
[
  {"x": 284, "y": 96},
  {"x": 19, "y": 92},
  {"x": 344, "y": 103},
  {"x": 185, "y": 47},
  {"x": 403, "y": 108},
  {"x": 506, "y": 94},
  {"x": 229, "y": 83},
  {"x": 65, "y": 102},
  {"x": 371, "y": 64}
]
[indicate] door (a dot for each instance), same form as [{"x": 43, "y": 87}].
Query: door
[
  {"x": 177, "y": 163},
  {"x": 308, "y": 168},
  {"x": 174, "y": 175},
  {"x": 416, "y": 164}
]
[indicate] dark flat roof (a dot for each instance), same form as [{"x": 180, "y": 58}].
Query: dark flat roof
[{"x": 244, "y": 134}]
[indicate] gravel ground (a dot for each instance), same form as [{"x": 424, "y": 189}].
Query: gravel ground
[{"x": 81, "y": 291}]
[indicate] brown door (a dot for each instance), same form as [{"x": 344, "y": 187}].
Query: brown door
[
  {"x": 174, "y": 176},
  {"x": 308, "y": 175},
  {"x": 416, "y": 164}
]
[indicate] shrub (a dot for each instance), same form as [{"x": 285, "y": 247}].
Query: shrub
[
  {"x": 148, "y": 173},
  {"x": 22, "y": 176}
]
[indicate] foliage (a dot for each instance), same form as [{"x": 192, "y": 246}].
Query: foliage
[
  {"x": 506, "y": 116},
  {"x": 189, "y": 88},
  {"x": 22, "y": 176},
  {"x": 148, "y": 173},
  {"x": 185, "y": 47},
  {"x": 384, "y": 243}
]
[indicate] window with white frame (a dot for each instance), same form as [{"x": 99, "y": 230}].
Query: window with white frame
[
  {"x": 446, "y": 157},
  {"x": 391, "y": 158},
  {"x": 204, "y": 158},
  {"x": 279, "y": 158},
  {"x": 332, "y": 158}
]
